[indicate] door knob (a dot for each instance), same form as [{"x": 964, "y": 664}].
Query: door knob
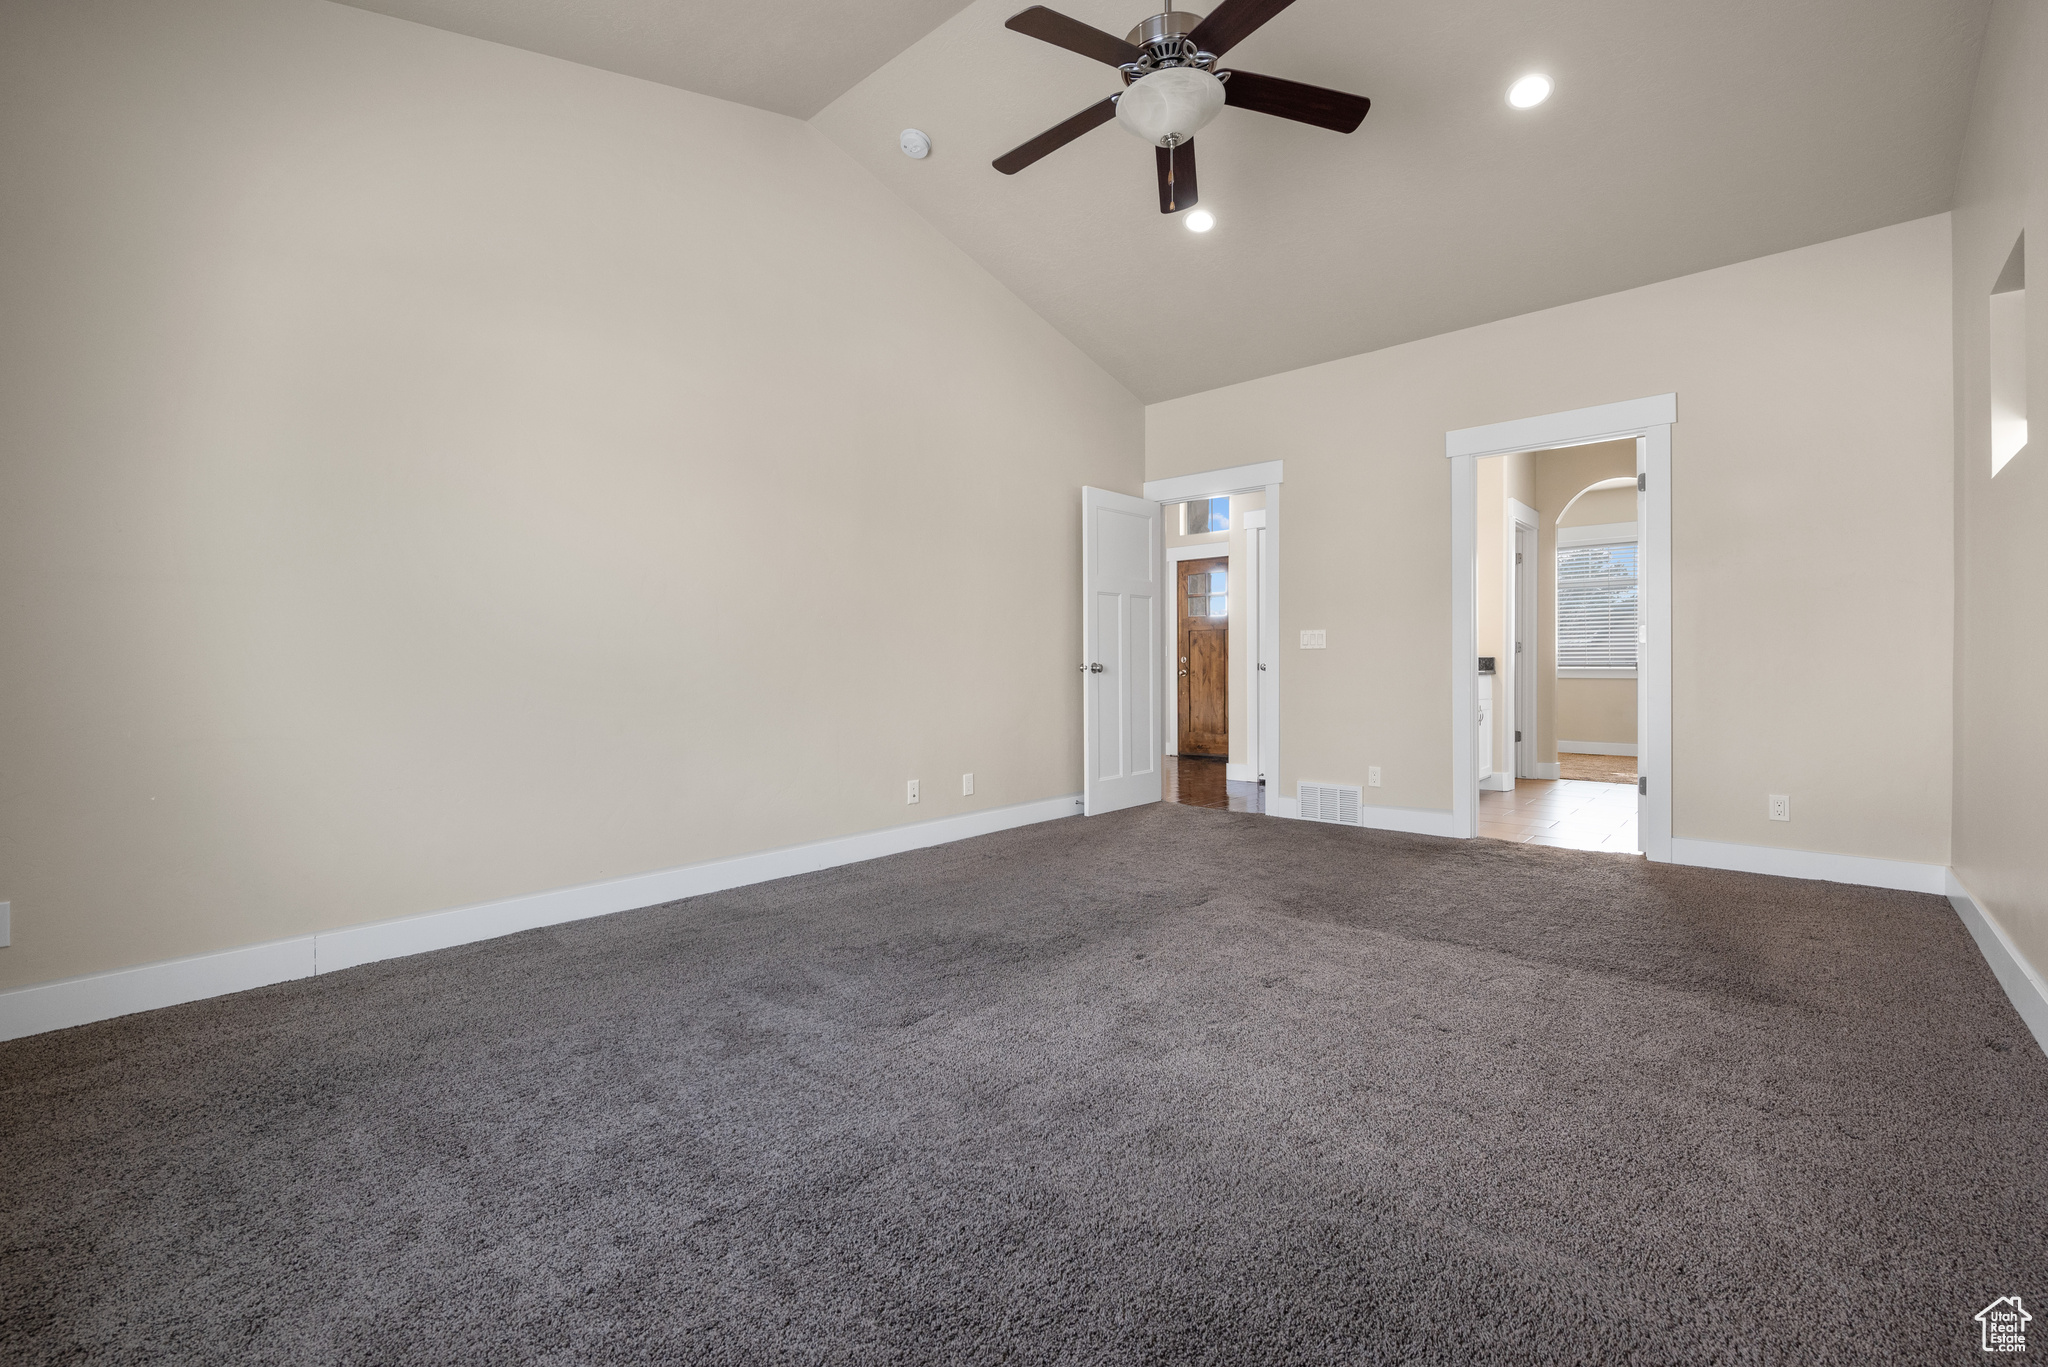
[{"x": 1094, "y": 669}]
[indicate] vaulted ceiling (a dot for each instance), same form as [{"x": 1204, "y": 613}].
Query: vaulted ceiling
[
  {"x": 791, "y": 56},
  {"x": 1681, "y": 136}
]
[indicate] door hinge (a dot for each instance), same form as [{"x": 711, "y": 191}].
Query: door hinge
[
  {"x": 1518, "y": 557},
  {"x": 1518, "y": 647},
  {"x": 1642, "y": 484},
  {"x": 1643, "y": 785},
  {"x": 1518, "y": 737}
]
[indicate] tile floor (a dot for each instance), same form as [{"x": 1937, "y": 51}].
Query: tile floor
[{"x": 1573, "y": 813}]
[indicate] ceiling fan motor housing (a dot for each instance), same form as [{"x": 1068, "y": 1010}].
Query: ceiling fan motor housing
[
  {"x": 1164, "y": 29},
  {"x": 1170, "y": 106}
]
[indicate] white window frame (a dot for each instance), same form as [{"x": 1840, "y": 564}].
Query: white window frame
[{"x": 1597, "y": 534}]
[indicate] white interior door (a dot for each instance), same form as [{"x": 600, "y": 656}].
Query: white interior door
[{"x": 1122, "y": 605}]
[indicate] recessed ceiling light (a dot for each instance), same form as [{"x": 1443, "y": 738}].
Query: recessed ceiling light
[
  {"x": 1201, "y": 221},
  {"x": 1529, "y": 92}
]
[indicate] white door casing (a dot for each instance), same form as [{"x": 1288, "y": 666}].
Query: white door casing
[
  {"x": 1122, "y": 600},
  {"x": 1650, "y": 419},
  {"x": 1522, "y": 543},
  {"x": 1254, "y": 664}
]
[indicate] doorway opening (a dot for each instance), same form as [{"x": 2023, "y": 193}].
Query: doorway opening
[
  {"x": 1557, "y": 614},
  {"x": 1212, "y": 547},
  {"x": 1563, "y": 657}
]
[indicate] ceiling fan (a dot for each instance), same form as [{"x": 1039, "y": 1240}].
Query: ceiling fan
[{"x": 1173, "y": 87}]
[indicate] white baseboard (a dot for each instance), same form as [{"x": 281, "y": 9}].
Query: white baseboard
[
  {"x": 1828, "y": 868},
  {"x": 101, "y": 996},
  {"x": 1240, "y": 773},
  {"x": 1597, "y": 747},
  {"x": 1499, "y": 781},
  {"x": 1410, "y": 820},
  {"x": 1551, "y": 770},
  {"x": 2022, "y": 982}
]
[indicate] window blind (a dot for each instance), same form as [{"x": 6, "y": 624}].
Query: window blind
[{"x": 1597, "y": 606}]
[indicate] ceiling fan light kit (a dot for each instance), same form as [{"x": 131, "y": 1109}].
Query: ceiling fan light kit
[
  {"x": 1168, "y": 107},
  {"x": 1174, "y": 88}
]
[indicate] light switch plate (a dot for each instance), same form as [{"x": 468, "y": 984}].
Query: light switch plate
[
  {"x": 1315, "y": 640},
  {"x": 967, "y": 785},
  {"x": 912, "y": 795}
]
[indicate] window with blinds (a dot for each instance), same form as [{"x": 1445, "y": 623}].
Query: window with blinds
[{"x": 1597, "y": 606}]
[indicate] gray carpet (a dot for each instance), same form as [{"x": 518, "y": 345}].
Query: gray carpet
[{"x": 1174, "y": 1085}]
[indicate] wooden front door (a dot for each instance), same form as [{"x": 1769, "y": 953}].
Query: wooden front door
[{"x": 1204, "y": 656}]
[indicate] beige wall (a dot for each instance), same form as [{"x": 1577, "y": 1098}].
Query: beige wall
[
  {"x": 1580, "y": 709},
  {"x": 1232, "y": 544},
  {"x": 1814, "y": 434},
  {"x": 1601, "y": 507},
  {"x": 431, "y": 472},
  {"x": 2001, "y": 656}
]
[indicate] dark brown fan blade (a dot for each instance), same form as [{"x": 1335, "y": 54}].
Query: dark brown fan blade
[
  {"x": 1056, "y": 137},
  {"x": 1233, "y": 21},
  {"x": 1293, "y": 100},
  {"x": 1050, "y": 26},
  {"x": 1176, "y": 177}
]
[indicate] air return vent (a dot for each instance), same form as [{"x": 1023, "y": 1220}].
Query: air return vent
[{"x": 1328, "y": 802}]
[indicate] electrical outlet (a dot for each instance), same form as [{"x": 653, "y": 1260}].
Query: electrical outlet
[
  {"x": 1781, "y": 807},
  {"x": 1315, "y": 640},
  {"x": 912, "y": 797},
  {"x": 967, "y": 785},
  {"x": 1372, "y": 777}
]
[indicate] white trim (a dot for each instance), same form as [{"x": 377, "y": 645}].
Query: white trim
[
  {"x": 1595, "y": 534},
  {"x": 146, "y": 987},
  {"x": 1238, "y": 479},
  {"x": 1570, "y": 672},
  {"x": 1499, "y": 781},
  {"x": 1240, "y": 773},
  {"x": 1464, "y": 647},
  {"x": 1578, "y": 427},
  {"x": 1648, "y": 421},
  {"x": 102, "y": 996},
  {"x": 1653, "y": 664},
  {"x": 1254, "y": 517},
  {"x": 1521, "y": 673},
  {"x": 1547, "y": 772},
  {"x": 1254, "y": 600},
  {"x": 1828, "y": 868},
  {"x": 1597, "y": 747},
  {"x": 1407, "y": 820},
  {"x": 1200, "y": 550},
  {"x": 2023, "y": 983}
]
